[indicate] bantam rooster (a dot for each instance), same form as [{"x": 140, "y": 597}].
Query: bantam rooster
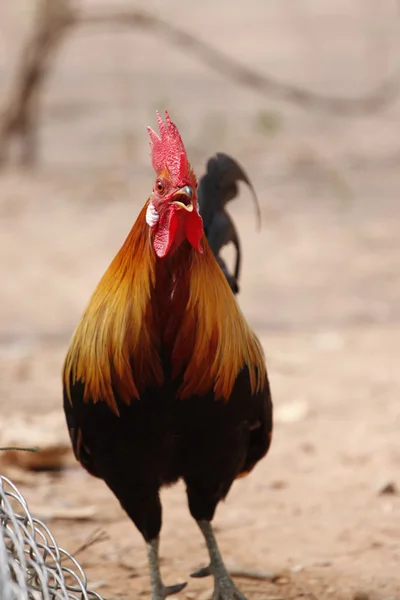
[
  {"x": 164, "y": 379},
  {"x": 217, "y": 187}
]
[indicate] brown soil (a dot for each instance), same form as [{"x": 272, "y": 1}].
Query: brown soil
[{"x": 319, "y": 284}]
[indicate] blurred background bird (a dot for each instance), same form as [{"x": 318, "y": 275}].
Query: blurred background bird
[
  {"x": 164, "y": 379},
  {"x": 217, "y": 187}
]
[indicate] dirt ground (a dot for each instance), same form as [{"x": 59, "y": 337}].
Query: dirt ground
[{"x": 320, "y": 283}]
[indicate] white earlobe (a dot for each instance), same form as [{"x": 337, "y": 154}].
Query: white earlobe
[{"x": 152, "y": 216}]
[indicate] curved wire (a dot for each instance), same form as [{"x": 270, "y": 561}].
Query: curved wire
[{"x": 30, "y": 559}]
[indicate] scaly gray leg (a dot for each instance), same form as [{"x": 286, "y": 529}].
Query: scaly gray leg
[
  {"x": 158, "y": 590},
  {"x": 224, "y": 588}
]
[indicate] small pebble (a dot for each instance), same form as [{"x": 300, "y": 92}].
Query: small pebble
[
  {"x": 388, "y": 487},
  {"x": 361, "y": 596},
  {"x": 278, "y": 484},
  {"x": 323, "y": 563},
  {"x": 297, "y": 568},
  {"x": 281, "y": 580},
  {"x": 308, "y": 448}
]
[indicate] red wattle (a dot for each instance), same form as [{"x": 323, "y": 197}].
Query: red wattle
[
  {"x": 194, "y": 231},
  {"x": 166, "y": 230}
]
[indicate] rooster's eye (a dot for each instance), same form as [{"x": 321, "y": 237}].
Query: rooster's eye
[{"x": 159, "y": 186}]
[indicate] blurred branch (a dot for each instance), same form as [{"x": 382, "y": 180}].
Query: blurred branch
[
  {"x": 381, "y": 97},
  {"x": 20, "y": 118},
  {"x": 9, "y": 448},
  {"x": 54, "y": 17}
]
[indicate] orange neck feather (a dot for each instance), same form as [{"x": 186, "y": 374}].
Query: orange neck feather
[
  {"x": 135, "y": 311},
  {"x": 214, "y": 341}
]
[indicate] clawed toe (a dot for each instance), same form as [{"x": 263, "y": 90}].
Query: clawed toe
[
  {"x": 161, "y": 592},
  {"x": 222, "y": 591},
  {"x": 170, "y": 590},
  {"x": 203, "y": 572}
]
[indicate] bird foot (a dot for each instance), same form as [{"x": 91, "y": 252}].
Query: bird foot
[
  {"x": 163, "y": 591},
  {"x": 224, "y": 589}
]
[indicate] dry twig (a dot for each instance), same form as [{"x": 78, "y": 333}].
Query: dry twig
[
  {"x": 96, "y": 537},
  {"x": 381, "y": 97},
  {"x": 253, "y": 574},
  {"x": 7, "y": 448}
]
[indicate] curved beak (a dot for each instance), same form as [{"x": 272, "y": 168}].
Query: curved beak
[{"x": 183, "y": 198}]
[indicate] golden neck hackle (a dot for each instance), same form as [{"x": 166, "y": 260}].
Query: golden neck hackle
[{"x": 143, "y": 304}]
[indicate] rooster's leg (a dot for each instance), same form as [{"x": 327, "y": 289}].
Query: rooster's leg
[
  {"x": 159, "y": 591},
  {"x": 224, "y": 588}
]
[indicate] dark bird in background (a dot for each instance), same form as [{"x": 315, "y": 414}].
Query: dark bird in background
[
  {"x": 164, "y": 379},
  {"x": 217, "y": 187}
]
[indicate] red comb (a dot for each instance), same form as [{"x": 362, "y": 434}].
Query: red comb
[{"x": 167, "y": 150}]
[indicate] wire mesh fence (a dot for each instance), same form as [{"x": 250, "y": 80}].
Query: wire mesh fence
[{"x": 32, "y": 566}]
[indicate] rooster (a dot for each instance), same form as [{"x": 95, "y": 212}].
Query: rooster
[
  {"x": 216, "y": 188},
  {"x": 164, "y": 379}
]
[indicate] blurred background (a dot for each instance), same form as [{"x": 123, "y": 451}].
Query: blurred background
[{"x": 306, "y": 96}]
